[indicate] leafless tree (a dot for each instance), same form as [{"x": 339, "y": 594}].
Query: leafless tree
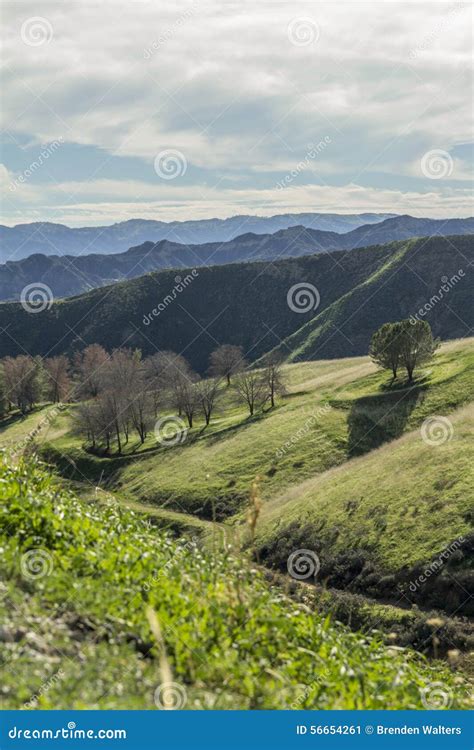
[
  {"x": 58, "y": 382},
  {"x": 273, "y": 377},
  {"x": 251, "y": 389},
  {"x": 88, "y": 365},
  {"x": 226, "y": 360},
  {"x": 23, "y": 381},
  {"x": 207, "y": 391}
]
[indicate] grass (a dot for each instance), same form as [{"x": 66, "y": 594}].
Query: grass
[
  {"x": 380, "y": 514},
  {"x": 342, "y": 468},
  {"x": 79, "y": 577}
]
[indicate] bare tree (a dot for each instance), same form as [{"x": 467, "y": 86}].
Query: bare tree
[
  {"x": 23, "y": 381},
  {"x": 251, "y": 389},
  {"x": 207, "y": 391},
  {"x": 88, "y": 365},
  {"x": 189, "y": 395},
  {"x": 58, "y": 382},
  {"x": 273, "y": 377},
  {"x": 226, "y": 360}
]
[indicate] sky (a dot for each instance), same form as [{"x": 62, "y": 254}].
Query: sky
[{"x": 114, "y": 109}]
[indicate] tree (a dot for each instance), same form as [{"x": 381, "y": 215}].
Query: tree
[
  {"x": 189, "y": 396},
  {"x": 385, "y": 347},
  {"x": 88, "y": 365},
  {"x": 417, "y": 345},
  {"x": 58, "y": 382},
  {"x": 251, "y": 389},
  {"x": 207, "y": 391},
  {"x": 226, "y": 360},
  {"x": 273, "y": 377},
  {"x": 23, "y": 381}
]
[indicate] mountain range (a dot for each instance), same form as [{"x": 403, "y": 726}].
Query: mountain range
[
  {"x": 255, "y": 305},
  {"x": 22, "y": 240},
  {"x": 69, "y": 275}
]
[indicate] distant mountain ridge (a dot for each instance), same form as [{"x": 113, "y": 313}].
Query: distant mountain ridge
[
  {"x": 22, "y": 240},
  {"x": 69, "y": 275},
  {"x": 247, "y": 304}
]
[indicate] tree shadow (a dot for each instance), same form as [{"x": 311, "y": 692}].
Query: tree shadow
[{"x": 377, "y": 419}]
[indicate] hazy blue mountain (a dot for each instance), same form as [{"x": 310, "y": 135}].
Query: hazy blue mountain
[
  {"x": 69, "y": 275},
  {"x": 23, "y": 240},
  {"x": 247, "y": 304}
]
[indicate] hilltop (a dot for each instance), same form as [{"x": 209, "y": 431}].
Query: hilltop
[
  {"x": 67, "y": 275},
  {"x": 248, "y": 304}
]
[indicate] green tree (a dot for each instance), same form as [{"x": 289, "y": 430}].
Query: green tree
[
  {"x": 417, "y": 344},
  {"x": 385, "y": 347}
]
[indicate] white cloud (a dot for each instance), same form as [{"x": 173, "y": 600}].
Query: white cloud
[{"x": 223, "y": 84}]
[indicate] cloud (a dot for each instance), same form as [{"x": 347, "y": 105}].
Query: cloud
[{"x": 227, "y": 85}]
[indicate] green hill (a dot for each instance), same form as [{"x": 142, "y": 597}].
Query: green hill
[
  {"x": 247, "y": 304},
  {"x": 340, "y": 427},
  {"x": 412, "y": 277},
  {"x": 101, "y": 611}
]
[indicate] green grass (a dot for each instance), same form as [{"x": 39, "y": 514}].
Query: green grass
[
  {"x": 391, "y": 510},
  {"x": 75, "y": 633},
  {"x": 334, "y": 409}
]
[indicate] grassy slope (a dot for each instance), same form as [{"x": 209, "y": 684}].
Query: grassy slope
[
  {"x": 76, "y": 635},
  {"x": 328, "y": 415},
  {"x": 395, "y": 290},
  {"x": 384, "y": 516},
  {"x": 395, "y": 507}
]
